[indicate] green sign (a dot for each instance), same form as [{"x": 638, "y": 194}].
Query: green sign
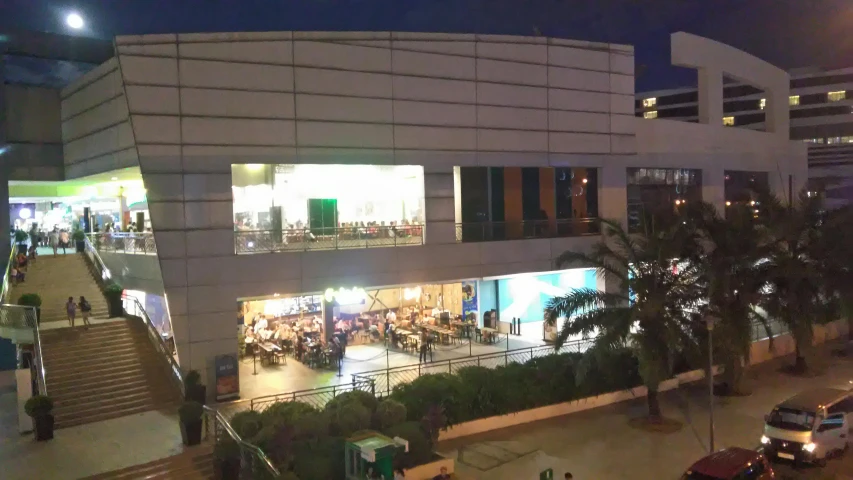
[{"x": 547, "y": 474}]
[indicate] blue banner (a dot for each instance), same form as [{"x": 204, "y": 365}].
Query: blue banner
[
  {"x": 469, "y": 298},
  {"x": 227, "y": 377}
]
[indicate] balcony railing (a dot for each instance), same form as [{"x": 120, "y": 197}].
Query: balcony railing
[
  {"x": 497, "y": 231},
  {"x": 139, "y": 243},
  {"x": 307, "y": 239}
]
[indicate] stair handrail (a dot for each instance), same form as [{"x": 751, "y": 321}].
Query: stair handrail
[
  {"x": 96, "y": 258},
  {"x": 253, "y": 452},
  {"x": 159, "y": 343},
  {"x": 38, "y": 359},
  {"x": 12, "y": 252}
]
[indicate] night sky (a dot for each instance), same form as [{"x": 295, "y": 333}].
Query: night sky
[{"x": 787, "y": 33}]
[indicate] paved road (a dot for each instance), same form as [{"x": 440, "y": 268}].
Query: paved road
[{"x": 599, "y": 444}]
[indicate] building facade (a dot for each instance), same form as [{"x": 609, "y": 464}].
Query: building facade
[{"x": 303, "y": 164}]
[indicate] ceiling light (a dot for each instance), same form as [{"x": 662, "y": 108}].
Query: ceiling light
[{"x": 114, "y": 179}]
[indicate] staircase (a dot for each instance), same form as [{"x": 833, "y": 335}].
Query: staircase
[
  {"x": 57, "y": 277},
  {"x": 104, "y": 371},
  {"x": 195, "y": 463}
]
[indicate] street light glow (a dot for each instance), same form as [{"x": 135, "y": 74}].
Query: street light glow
[{"x": 74, "y": 21}]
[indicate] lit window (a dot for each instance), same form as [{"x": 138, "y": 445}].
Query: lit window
[
  {"x": 762, "y": 103},
  {"x": 833, "y": 140},
  {"x": 728, "y": 121},
  {"x": 651, "y": 114},
  {"x": 836, "y": 96},
  {"x": 650, "y": 102},
  {"x": 846, "y": 139},
  {"x": 794, "y": 100}
]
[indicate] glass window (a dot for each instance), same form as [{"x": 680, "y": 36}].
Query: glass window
[
  {"x": 654, "y": 190},
  {"x": 836, "y": 96},
  {"x": 651, "y": 114},
  {"x": 833, "y": 422},
  {"x": 728, "y": 121},
  {"x": 43, "y": 72},
  {"x": 794, "y": 100},
  {"x": 833, "y": 140},
  {"x": 762, "y": 103},
  {"x": 650, "y": 102},
  {"x": 789, "y": 419}
]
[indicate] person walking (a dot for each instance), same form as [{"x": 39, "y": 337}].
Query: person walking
[
  {"x": 424, "y": 347},
  {"x": 53, "y": 238},
  {"x": 85, "y": 308},
  {"x": 71, "y": 310}
]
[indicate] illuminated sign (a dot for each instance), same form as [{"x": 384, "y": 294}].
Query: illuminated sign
[
  {"x": 412, "y": 293},
  {"x": 346, "y": 296}
]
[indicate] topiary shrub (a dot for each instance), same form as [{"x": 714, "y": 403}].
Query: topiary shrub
[
  {"x": 287, "y": 413},
  {"x": 481, "y": 392},
  {"x": 78, "y": 235},
  {"x": 443, "y": 390},
  {"x": 247, "y": 424},
  {"x": 420, "y": 447},
  {"x": 388, "y": 414},
  {"x": 366, "y": 399},
  {"x": 30, "y": 300},
  {"x": 347, "y": 417},
  {"x": 190, "y": 412},
  {"x": 38, "y": 406},
  {"x": 323, "y": 460},
  {"x": 21, "y": 237}
]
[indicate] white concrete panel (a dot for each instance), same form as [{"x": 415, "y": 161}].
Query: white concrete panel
[
  {"x": 210, "y": 243},
  {"x": 322, "y": 134},
  {"x": 515, "y": 251},
  {"x": 623, "y": 104},
  {"x": 97, "y": 92},
  {"x": 211, "y": 299},
  {"x": 438, "y": 233},
  {"x": 453, "y": 47},
  {"x": 418, "y": 88},
  {"x": 559, "y": 120},
  {"x": 177, "y": 298},
  {"x": 166, "y": 216},
  {"x": 105, "y": 69},
  {"x": 620, "y": 63},
  {"x": 231, "y": 37},
  {"x": 512, "y": 140},
  {"x": 174, "y": 272},
  {"x": 102, "y": 116},
  {"x": 164, "y": 187},
  {"x": 576, "y": 100},
  {"x": 348, "y": 263},
  {"x": 112, "y": 139},
  {"x": 429, "y": 113},
  {"x": 346, "y": 57},
  {"x": 579, "y": 143},
  {"x": 438, "y": 138},
  {"x": 513, "y": 51},
  {"x": 438, "y": 184},
  {"x": 206, "y": 327},
  {"x": 160, "y": 50},
  {"x": 240, "y": 76},
  {"x": 159, "y": 158},
  {"x": 622, "y": 84},
  {"x": 149, "y": 70},
  {"x": 207, "y": 187},
  {"x": 226, "y": 131},
  {"x": 511, "y": 72},
  {"x": 336, "y": 82},
  {"x": 278, "y": 52},
  {"x": 512, "y": 117},
  {"x": 209, "y": 215},
  {"x": 433, "y": 65},
  {"x": 156, "y": 129},
  {"x": 578, "y": 79},
  {"x": 511, "y": 95},
  {"x": 322, "y": 107},
  {"x": 236, "y": 103},
  {"x": 144, "y": 99},
  {"x": 218, "y": 159},
  {"x": 579, "y": 58},
  {"x": 623, "y": 144},
  {"x": 169, "y": 244},
  {"x": 623, "y": 123}
]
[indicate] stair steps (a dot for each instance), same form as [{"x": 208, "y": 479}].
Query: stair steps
[{"x": 195, "y": 463}]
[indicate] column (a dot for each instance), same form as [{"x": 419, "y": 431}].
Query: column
[
  {"x": 714, "y": 188},
  {"x": 710, "y": 96},
  {"x": 440, "y": 205},
  {"x": 613, "y": 194}
]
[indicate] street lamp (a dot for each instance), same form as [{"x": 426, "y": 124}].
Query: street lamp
[{"x": 709, "y": 320}]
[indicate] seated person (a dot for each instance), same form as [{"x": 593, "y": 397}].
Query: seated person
[{"x": 261, "y": 324}]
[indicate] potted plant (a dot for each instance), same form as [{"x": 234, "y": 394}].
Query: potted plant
[
  {"x": 227, "y": 456},
  {"x": 21, "y": 240},
  {"x": 79, "y": 237},
  {"x": 113, "y": 292},
  {"x": 190, "y": 414},
  {"x": 193, "y": 388},
  {"x": 39, "y": 407},
  {"x": 31, "y": 300}
]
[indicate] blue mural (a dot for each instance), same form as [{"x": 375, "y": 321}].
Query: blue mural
[{"x": 525, "y": 296}]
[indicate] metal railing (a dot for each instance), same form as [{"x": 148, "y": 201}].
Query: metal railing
[
  {"x": 139, "y": 243},
  {"x": 498, "y": 231},
  {"x": 134, "y": 308},
  {"x": 307, "y": 239},
  {"x": 6, "y": 290},
  {"x": 317, "y": 397},
  {"x": 386, "y": 379},
  {"x": 96, "y": 260},
  {"x": 254, "y": 464}
]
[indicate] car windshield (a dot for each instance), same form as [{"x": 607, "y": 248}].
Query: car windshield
[
  {"x": 789, "y": 419},
  {"x": 699, "y": 476}
]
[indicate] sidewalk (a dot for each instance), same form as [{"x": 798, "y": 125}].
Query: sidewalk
[{"x": 599, "y": 444}]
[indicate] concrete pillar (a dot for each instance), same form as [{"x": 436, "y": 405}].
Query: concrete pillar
[
  {"x": 714, "y": 188},
  {"x": 777, "y": 113},
  {"x": 439, "y": 205},
  {"x": 613, "y": 194},
  {"x": 710, "y": 96}
]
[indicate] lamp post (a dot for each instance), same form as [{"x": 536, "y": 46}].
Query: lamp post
[{"x": 710, "y": 324}]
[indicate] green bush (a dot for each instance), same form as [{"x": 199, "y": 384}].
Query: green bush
[
  {"x": 484, "y": 396},
  {"x": 38, "y": 406},
  {"x": 247, "y": 424},
  {"x": 113, "y": 289},
  {"x": 192, "y": 378},
  {"x": 420, "y": 447},
  {"x": 442, "y": 390},
  {"x": 389, "y": 413},
  {"x": 285, "y": 413},
  {"x": 347, "y": 417},
  {"x": 30, "y": 300},
  {"x": 190, "y": 412},
  {"x": 321, "y": 461},
  {"x": 226, "y": 449},
  {"x": 21, "y": 236},
  {"x": 366, "y": 399},
  {"x": 78, "y": 235}
]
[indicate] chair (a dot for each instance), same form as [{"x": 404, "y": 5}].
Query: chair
[{"x": 478, "y": 334}]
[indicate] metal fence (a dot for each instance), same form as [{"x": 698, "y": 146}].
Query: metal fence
[
  {"x": 139, "y": 243},
  {"x": 498, "y": 231},
  {"x": 305, "y": 239},
  {"x": 386, "y": 379},
  {"x": 254, "y": 464},
  {"x": 317, "y": 397}
]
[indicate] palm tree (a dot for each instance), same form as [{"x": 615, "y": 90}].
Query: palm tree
[
  {"x": 729, "y": 257},
  {"x": 648, "y": 313}
]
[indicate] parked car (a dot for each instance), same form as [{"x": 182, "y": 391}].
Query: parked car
[{"x": 733, "y": 463}]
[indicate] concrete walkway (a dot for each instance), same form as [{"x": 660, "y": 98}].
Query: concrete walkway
[{"x": 599, "y": 444}]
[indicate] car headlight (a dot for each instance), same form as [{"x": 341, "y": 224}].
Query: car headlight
[
  {"x": 809, "y": 447},
  {"x": 765, "y": 440}
]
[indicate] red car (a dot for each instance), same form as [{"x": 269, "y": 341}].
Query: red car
[{"x": 731, "y": 464}]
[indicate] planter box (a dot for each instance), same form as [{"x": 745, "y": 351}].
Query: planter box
[{"x": 429, "y": 470}]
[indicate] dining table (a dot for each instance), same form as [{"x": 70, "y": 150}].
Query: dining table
[{"x": 490, "y": 333}]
